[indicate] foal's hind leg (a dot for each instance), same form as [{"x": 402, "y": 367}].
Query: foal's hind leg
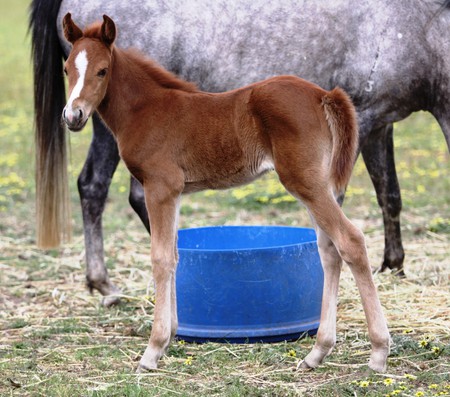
[
  {"x": 326, "y": 335},
  {"x": 349, "y": 242},
  {"x": 93, "y": 185},
  {"x": 334, "y": 229}
]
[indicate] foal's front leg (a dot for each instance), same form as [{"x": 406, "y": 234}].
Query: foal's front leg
[{"x": 162, "y": 204}]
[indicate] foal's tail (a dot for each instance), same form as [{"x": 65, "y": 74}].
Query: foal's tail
[
  {"x": 341, "y": 117},
  {"x": 52, "y": 198}
]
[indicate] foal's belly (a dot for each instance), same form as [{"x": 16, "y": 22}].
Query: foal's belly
[{"x": 224, "y": 180}]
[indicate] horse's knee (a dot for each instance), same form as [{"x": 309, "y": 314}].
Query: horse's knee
[
  {"x": 90, "y": 189},
  {"x": 164, "y": 265},
  {"x": 93, "y": 195},
  {"x": 90, "y": 186},
  {"x": 392, "y": 206}
]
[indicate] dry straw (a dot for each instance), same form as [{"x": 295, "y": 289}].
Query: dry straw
[{"x": 38, "y": 290}]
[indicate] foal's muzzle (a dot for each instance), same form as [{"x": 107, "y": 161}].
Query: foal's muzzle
[{"x": 75, "y": 119}]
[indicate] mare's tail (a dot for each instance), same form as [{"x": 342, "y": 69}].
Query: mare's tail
[
  {"x": 341, "y": 117},
  {"x": 52, "y": 197}
]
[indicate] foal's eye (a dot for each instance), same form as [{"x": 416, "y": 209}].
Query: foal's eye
[{"x": 102, "y": 72}]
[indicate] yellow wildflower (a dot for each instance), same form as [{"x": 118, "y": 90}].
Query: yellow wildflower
[
  {"x": 292, "y": 353},
  {"x": 436, "y": 350}
]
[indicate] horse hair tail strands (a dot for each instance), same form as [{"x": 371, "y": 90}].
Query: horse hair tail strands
[
  {"x": 53, "y": 213},
  {"x": 342, "y": 121}
]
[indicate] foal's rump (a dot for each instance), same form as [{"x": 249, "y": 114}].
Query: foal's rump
[{"x": 309, "y": 128}]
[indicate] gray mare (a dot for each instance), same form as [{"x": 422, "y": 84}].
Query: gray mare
[{"x": 392, "y": 57}]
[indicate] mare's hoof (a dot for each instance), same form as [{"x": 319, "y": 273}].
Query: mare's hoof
[
  {"x": 110, "y": 300},
  {"x": 396, "y": 272},
  {"x": 396, "y": 267},
  {"x": 111, "y": 294}
]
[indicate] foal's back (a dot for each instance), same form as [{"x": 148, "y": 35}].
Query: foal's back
[{"x": 227, "y": 139}]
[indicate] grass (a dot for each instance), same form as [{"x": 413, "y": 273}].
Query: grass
[{"x": 56, "y": 339}]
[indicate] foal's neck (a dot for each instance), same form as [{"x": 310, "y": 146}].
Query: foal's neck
[{"x": 136, "y": 83}]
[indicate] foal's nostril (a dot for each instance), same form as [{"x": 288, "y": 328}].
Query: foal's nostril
[{"x": 80, "y": 114}]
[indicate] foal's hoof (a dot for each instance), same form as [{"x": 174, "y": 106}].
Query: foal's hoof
[
  {"x": 378, "y": 360},
  {"x": 144, "y": 368},
  {"x": 379, "y": 367},
  {"x": 149, "y": 361},
  {"x": 303, "y": 366}
]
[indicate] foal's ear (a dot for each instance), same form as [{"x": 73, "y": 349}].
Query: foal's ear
[
  {"x": 71, "y": 31},
  {"x": 108, "y": 30}
]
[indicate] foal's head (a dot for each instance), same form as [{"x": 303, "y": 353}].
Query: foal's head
[{"x": 87, "y": 69}]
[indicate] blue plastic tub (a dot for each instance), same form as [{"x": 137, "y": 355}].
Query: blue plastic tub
[{"x": 248, "y": 283}]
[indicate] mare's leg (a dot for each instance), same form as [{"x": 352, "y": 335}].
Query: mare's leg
[
  {"x": 93, "y": 185},
  {"x": 443, "y": 118},
  {"x": 162, "y": 204},
  {"x": 378, "y": 154},
  {"x": 137, "y": 201},
  {"x": 326, "y": 335}
]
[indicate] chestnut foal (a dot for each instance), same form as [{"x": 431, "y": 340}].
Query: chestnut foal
[{"x": 176, "y": 139}]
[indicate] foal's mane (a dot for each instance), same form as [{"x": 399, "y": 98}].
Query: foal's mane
[{"x": 162, "y": 76}]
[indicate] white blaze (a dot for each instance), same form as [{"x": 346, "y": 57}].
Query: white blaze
[{"x": 81, "y": 64}]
